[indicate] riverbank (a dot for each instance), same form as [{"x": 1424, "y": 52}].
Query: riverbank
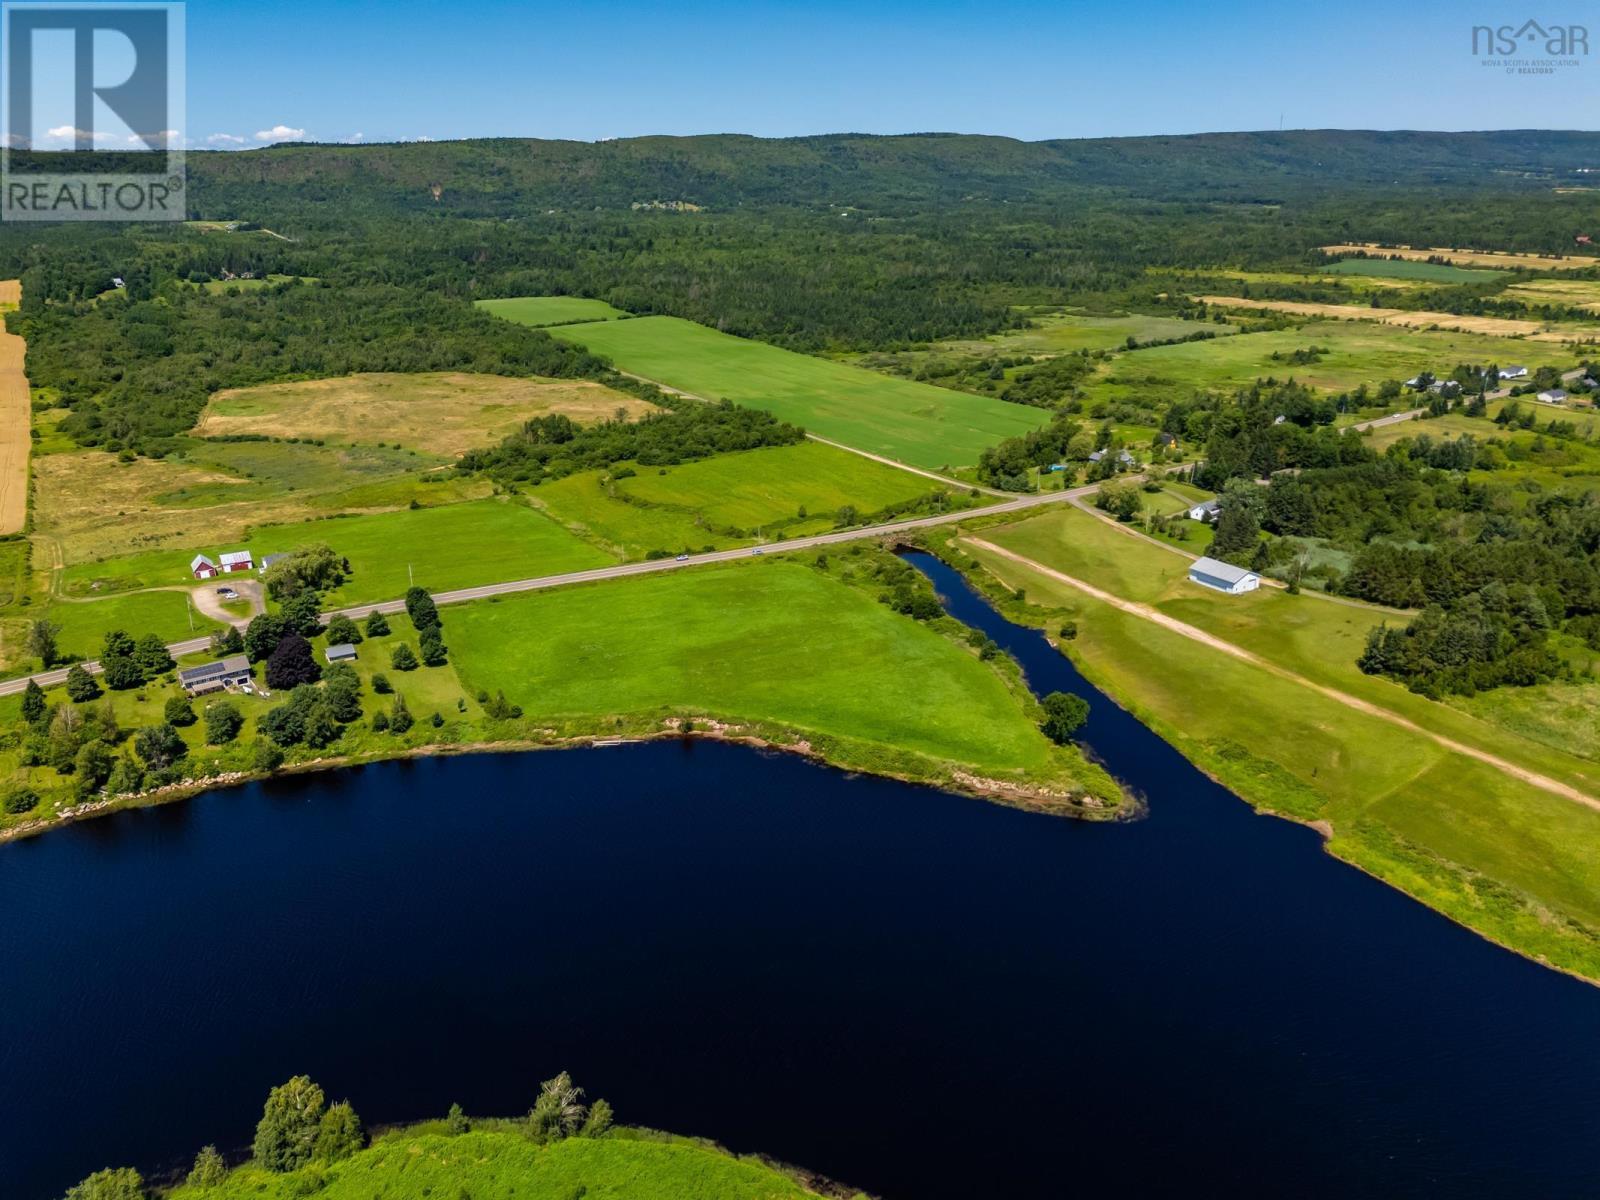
[
  {"x": 804, "y": 658},
  {"x": 1487, "y": 851}
]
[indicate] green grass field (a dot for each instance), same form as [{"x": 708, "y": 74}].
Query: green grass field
[
  {"x": 775, "y": 642},
  {"x": 761, "y": 487},
  {"x": 452, "y": 546},
  {"x": 1399, "y": 268},
  {"x": 501, "y": 1162},
  {"x": 1358, "y": 352},
  {"x": 910, "y": 422},
  {"x": 731, "y": 499},
  {"x": 551, "y": 310},
  {"x": 1499, "y": 855}
]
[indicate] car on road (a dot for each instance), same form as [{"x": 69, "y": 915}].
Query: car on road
[
  {"x": 682, "y": 558},
  {"x": 757, "y": 550}
]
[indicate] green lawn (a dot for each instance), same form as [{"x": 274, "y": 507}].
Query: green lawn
[
  {"x": 1062, "y": 333},
  {"x": 502, "y": 1162},
  {"x": 84, "y": 624},
  {"x": 1495, "y": 853},
  {"x": 773, "y": 641},
  {"x": 551, "y": 310},
  {"x": 1358, "y": 352},
  {"x": 911, "y": 422},
  {"x": 1400, "y": 268}
]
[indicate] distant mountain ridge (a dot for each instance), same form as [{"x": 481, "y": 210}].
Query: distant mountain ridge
[{"x": 490, "y": 176}]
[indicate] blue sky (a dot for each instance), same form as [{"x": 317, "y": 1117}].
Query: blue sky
[{"x": 361, "y": 70}]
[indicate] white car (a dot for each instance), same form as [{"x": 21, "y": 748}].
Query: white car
[{"x": 682, "y": 558}]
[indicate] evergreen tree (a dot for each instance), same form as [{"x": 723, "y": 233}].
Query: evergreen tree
[
  {"x": 81, "y": 685},
  {"x": 33, "y": 703},
  {"x": 377, "y": 625}
]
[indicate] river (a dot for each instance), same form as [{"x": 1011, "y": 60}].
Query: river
[{"x": 917, "y": 993}]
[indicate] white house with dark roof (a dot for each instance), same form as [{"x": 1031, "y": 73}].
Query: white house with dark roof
[
  {"x": 1206, "y": 510},
  {"x": 1553, "y": 396},
  {"x": 1513, "y": 372},
  {"x": 1223, "y": 577}
]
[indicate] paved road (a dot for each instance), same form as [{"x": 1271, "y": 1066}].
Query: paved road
[{"x": 624, "y": 570}]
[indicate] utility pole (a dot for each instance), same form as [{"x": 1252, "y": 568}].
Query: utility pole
[
  {"x": 188, "y": 608},
  {"x": 411, "y": 579}
]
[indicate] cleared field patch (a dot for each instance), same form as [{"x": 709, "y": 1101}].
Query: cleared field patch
[
  {"x": 1063, "y": 333},
  {"x": 551, "y": 310},
  {"x": 1539, "y": 331},
  {"x": 1577, "y": 293},
  {"x": 774, "y": 485},
  {"x": 445, "y": 413},
  {"x": 915, "y": 423},
  {"x": 1409, "y": 269},
  {"x": 1493, "y": 259},
  {"x": 16, "y": 416},
  {"x": 731, "y": 499},
  {"x": 759, "y": 641},
  {"x": 1357, "y": 352},
  {"x": 91, "y": 506}
]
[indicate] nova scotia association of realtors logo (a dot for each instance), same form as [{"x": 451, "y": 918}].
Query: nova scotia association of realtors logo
[
  {"x": 91, "y": 79},
  {"x": 1531, "y": 48}
]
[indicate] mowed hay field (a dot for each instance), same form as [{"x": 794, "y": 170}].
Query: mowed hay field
[
  {"x": 445, "y": 413},
  {"x": 551, "y": 310},
  {"x": 1493, "y": 259},
  {"x": 1578, "y": 293},
  {"x": 1539, "y": 331},
  {"x": 1358, "y": 352},
  {"x": 767, "y": 641},
  {"x": 15, "y": 419},
  {"x": 910, "y": 422},
  {"x": 1493, "y": 852}
]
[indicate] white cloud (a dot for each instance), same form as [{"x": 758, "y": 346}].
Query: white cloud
[
  {"x": 67, "y": 133},
  {"x": 280, "y": 133},
  {"x": 225, "y": 139}
]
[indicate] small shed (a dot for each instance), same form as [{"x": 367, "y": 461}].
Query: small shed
[
  {"x": 202, "y": 567},
  {"x": 343, "y": 652},
  {"x": 1223, "y": 577}
]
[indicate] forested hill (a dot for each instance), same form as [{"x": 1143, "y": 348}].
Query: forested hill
[{"x": 503, "y": 176}]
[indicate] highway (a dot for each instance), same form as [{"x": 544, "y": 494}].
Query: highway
[{"x": 623, "y": 571}]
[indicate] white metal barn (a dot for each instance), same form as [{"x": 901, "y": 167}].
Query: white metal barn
[{"x": 1223, "y": 577}]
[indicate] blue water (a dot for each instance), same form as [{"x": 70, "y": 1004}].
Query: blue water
[{"x": 919, "y": 994}]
